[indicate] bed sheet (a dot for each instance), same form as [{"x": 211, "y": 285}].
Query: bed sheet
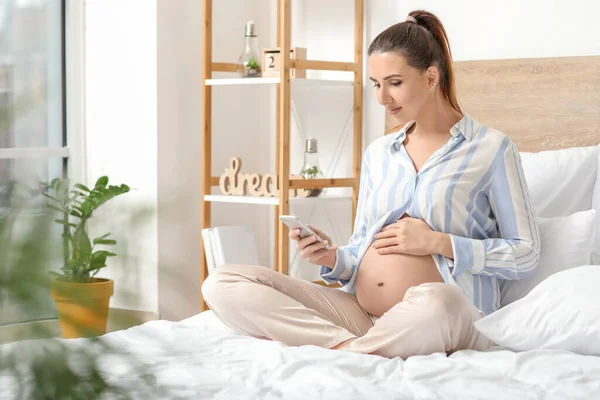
[{"x": 200, "y": 358}]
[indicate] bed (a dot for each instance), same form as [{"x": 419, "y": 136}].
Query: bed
[
  {"x": 199, "y": 358},
  {"x": 547, "y": 331}
]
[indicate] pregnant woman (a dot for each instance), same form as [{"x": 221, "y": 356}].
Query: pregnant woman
[{"x": 443, "y": 214}]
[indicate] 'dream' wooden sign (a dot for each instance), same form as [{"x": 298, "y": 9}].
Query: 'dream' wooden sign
[{"x": 232, "y": 182}]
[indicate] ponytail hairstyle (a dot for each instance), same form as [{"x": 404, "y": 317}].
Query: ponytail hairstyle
[{"x": 422, "y": 40}]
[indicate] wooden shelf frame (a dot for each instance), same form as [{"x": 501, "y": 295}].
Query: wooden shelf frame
[{"x": 283, "y": 114}]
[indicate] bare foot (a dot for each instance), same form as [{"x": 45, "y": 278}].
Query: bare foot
[{"x": 343, "y": 345}]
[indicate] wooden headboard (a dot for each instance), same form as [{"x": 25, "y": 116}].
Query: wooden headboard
[{"x": 540, "y": 103}]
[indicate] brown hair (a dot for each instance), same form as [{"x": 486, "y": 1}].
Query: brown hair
[{"x": 423, "y": 44}]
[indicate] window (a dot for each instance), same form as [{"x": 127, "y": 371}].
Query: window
[{"x": 33, "y": 136}]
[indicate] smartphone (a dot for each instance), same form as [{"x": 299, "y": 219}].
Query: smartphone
[{"x": 293, "y": 222}]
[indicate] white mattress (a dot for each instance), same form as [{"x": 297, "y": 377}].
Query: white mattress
[{"x": 200, "y": 358}]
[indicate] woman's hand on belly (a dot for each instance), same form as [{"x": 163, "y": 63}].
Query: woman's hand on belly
[
  {"x": 406, "y": 236},
  {"x": 383, "y": 280}
]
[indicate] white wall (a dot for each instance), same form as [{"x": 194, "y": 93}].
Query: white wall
[
  {"x": 122, "y": 138},
  {"x": 481, "y": 30},
  {"x": 179, "y": 61}
]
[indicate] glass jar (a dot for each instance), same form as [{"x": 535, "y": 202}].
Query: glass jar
[
  {"x": 311, "y": 168},
  {"x": 249, "y": 63}
]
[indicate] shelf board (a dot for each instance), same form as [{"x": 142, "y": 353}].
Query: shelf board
[
  {"x": 269, "y": 200},
  {"x": 300, "y": 82}
]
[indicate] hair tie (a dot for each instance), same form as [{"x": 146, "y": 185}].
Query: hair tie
[{"x": 410, "y": 18}]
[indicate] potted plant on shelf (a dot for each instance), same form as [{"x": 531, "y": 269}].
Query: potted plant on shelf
[
  {"x": 252, "y": 68},
  {"x": 81, "y": 298},
  {"x": 312, "y": 172}
]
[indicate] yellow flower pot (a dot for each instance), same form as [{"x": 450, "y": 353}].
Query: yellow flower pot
[{"x": 82, "y": 307}]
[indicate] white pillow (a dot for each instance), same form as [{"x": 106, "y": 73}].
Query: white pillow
[
  {"x": 561, "y": 182},
  {"x": 566, "y": 242},
  {"x": 596, "y": 205},
  {"x": 560, "y": 313}
]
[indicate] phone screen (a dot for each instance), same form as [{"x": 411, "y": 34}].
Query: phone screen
[{"x": 293, "y": 222}]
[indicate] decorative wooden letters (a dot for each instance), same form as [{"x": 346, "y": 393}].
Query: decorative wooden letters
[
  {"x": 228, "y": 181},
  {"x": 233, "y": 183}
]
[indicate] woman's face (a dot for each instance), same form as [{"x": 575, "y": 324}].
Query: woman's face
[{"x": 402, "y": 89}]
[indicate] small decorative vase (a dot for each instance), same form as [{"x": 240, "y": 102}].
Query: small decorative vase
[
  {"x": 311, "y": 168},
  {"x": 249, "y": 63}
]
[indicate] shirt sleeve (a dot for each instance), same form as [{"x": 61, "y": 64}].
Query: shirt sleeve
[
  {"x": 515, "y": 254},
  {"x": 347, "y": 255}
]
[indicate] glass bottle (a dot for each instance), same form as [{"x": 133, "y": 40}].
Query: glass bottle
[
  {"x": 249, "y": 61},
  {"x": 311, "y": 168}
]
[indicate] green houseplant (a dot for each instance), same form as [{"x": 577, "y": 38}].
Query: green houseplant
[
  {"x": 312, "y": 172},
  {"x": 252, "y": 68},
  {"x": 82, "y": 299}
]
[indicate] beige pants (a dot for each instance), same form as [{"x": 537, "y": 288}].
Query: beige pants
[{"x": 260, "y": 302}]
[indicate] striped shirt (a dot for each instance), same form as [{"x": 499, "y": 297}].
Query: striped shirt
[{"x": 472, "y": 189}]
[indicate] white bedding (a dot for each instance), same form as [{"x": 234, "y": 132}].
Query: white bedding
[{"x": 200, "y": 358}]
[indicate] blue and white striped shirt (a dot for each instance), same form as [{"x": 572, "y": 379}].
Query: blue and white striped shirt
[{"x": 473, "y": 189}]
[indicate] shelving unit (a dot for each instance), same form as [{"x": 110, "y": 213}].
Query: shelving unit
[
  {"x": 282, "y": 164},
  {"x": 301, "y": 82},
  {"x": 274, "y": 201}
]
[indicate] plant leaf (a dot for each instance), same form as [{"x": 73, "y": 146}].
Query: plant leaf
[
  {"x": 63, "y": 188},
  {"x": 86, "y": 208},
  {"x": 57, "y": 275},
  {"x": 73, "y": 264},
  {"x": 97, "y": 269},
  {"x": 104, "y": 241},
  {"x": 75, "y": 214},
  {"x": 50, "y": 197},
  {"x": 81, "y": 210},
  {"x": 82, "y": 245},
  {"x": 98, "y": 263},
  {"x": 101, "y": 182},
  {"x": 82, "y": 187},
  {"x": 102, "y": 253},
  {"x": 54, "y": 184},
  {"x": 63, "y": 222},
  {"x": 76, "y": 195}
]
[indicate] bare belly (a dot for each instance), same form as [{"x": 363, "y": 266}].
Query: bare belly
[{"x": 382, "y": 280}]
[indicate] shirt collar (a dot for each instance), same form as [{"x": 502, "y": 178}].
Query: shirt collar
[
  {"x": 466, "y": 127},
  {"x": 401, "y": 134}
]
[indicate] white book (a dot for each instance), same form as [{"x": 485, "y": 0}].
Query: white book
[
  {"x": 208, "y": 249},
  {"x": 231, "y": 245}
]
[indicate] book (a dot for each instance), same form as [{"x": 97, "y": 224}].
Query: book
[
  {"x": 230, "y": 245},
  {"x": 208, "y": 249}
]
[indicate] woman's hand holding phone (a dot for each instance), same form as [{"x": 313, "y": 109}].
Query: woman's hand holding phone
[{"x": 313, "y": 250}]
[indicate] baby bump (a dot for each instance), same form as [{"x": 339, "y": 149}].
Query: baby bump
[{"x": 382, "y": 280}]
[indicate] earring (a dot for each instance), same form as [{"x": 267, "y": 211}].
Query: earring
[{"x": 434, "y": 85}]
